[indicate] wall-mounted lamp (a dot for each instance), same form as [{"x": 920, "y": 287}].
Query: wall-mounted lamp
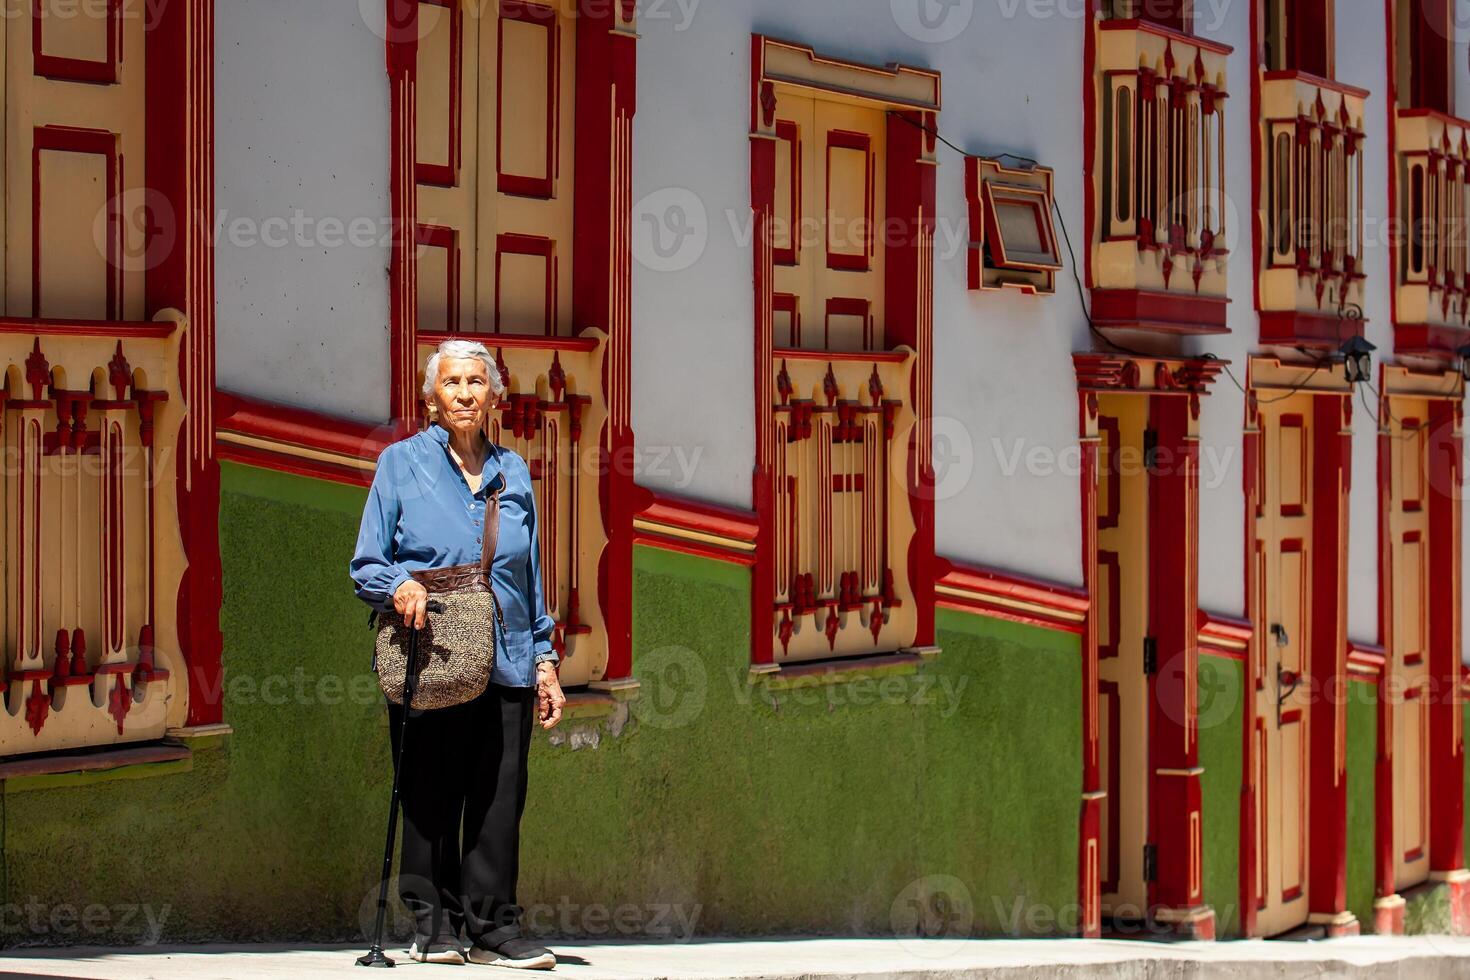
[
  {"x": 1464, "y": 354},
  {"x": 1357, "y": 359}
]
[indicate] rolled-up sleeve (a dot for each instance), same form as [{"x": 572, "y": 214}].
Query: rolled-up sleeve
[
  {"x": 542, "y": 625},
  {"x": 376, "y": 575}
]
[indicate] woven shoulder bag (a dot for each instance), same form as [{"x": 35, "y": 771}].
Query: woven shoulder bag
[{"x": 456, "y": 647}]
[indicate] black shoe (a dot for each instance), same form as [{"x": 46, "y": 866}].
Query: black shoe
[
  {"x": 518, "y": 954},
  {"x": 438, "y": 951}
]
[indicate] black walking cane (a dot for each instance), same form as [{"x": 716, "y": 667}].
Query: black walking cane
[{"x": 374, "y": 956}]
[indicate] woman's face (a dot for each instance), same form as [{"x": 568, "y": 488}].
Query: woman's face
[{"x": 462, "y": 394}]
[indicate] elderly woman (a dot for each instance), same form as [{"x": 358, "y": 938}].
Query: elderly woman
[{"x": 464, "y": 769}]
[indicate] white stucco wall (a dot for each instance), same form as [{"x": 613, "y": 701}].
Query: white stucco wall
[
  {"x": 1002, "y": 365},
  {"x": 301, "y": 195}
]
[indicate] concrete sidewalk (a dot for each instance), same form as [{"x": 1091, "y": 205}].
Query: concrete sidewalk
[{"x": 1422, "y": 958}]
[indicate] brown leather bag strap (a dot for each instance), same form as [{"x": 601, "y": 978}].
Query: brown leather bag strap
[{"x": 492, "y": 533}]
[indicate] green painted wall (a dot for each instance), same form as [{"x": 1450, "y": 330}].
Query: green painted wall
[
  {"x": 947, "y": 799},
  {"x": 1221, "y": 709},
  {"x": 1362, "y": 751}
]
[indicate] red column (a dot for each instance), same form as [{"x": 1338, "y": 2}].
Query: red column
[
  {"x": 762, "y": 206},
  {"x": 402, "y": 53},
  {"x": 1327, "y": 665},
  {"x": 1089, "y": 885},
  {"x": 908, "y": 316},
  {"x": 1446, "y": 736},
  {"x": 601, "y": 290},
  {"x": 1173, "y": 624},
  {"x": 179, "y": 162},
  {"x": 1249, "y": 859}
]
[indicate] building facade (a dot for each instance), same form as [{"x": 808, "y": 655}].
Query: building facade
[{"x": 1000, "y": 464}]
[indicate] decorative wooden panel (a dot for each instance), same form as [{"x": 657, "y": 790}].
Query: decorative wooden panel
[
  {"x": 836, "y": 466},
  {"x": 92, "y": 556}
]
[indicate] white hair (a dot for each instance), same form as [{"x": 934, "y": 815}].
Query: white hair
[{"x": 462, "y": 348}]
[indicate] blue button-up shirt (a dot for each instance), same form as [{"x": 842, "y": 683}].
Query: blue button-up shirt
[{"x": 421, "y": 514}]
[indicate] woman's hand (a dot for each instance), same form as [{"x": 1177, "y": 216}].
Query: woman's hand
[
  {"x": 412, "y": 600},
  {"x": 549, "y": 698}
]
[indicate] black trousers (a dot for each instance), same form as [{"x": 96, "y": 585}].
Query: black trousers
[{"x": 463, "y": 789}]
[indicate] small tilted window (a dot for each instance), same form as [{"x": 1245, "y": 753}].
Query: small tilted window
[{"x": 1013, "y": 242}]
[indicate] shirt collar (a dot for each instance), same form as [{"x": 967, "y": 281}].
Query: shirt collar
[{"x": 491, "y": 475}]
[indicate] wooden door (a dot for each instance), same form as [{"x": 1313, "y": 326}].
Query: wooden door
[
  {"x": 494, "y": 102},
  {"x": 1122, "y": 604},
  {"x": 1283, "y": 540},
  {"x": 75, "y": 214},
  {"x": 827, "y": 249},
  {"x": 1408, "y": 524}
]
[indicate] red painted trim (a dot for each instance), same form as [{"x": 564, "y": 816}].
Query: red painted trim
[
  {"x": 1331, "y": 85},
  {"x": 542, "y": 16},
  {"x": 497, "y": 341},
  {"x": 1173, "y": 621},
  {"x": 1169, "y": 33},
  {"x": 1327, "y": 784},
  {"x": 1172, "y": 313},
  {"x": 1224, "y": 636},
  {"x": 178, "y": 161},
  {"x": 1051, "y": 605},
  {"x": 787, "y": 303},
  {"x": 1446, "y": 733},
  {"x": 402, "y": 64},
  {"x": 1366, "y": 658},
  {"x": 808, "y": 354},
  {"x": 1296, "y": 328},
  {"x": 120, "y": 329},
  {"x": 297, "y": 427},
  {"x": 683, "y": 514},
  {"x": 96, "y": 142},
  {"x": 447, "y": 174},
  {"x": 103, "y": 72}
]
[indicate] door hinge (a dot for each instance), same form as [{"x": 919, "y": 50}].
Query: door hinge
[
  {"x": 1150, "y": 449},
  {"x": 1150, "y": 862},
  {"x": 1150, "y": 656}
]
